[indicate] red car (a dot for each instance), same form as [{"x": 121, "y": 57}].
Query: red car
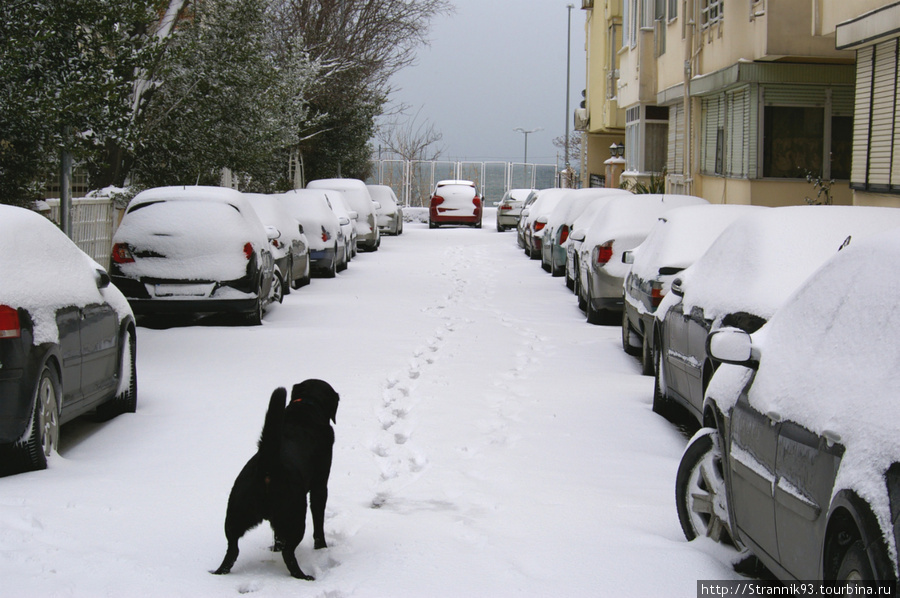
[{"x": 455, "y": 202}]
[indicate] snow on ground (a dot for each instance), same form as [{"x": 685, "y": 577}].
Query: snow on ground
[{"x": 489, "y": 443}]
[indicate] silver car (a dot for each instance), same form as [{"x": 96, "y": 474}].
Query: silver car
[{"x": 510, "y": 208}]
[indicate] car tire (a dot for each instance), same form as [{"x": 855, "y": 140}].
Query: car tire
[
  {"x": 855, "y": 565},
  {"x": 255, "y": 317},
  {"x": 662, "y": 405},
  {"x": 432, "y": 224},
  {"x": 278, "y": 287},
  {"x": 594, "y": 316},
  {"x": 43, "y": 434},
  {"x": 628, "y": 336},
  {"x": 126, "y": 401},
  {"x": 648, "y": 366},
  {"x": 701, "y": 496}
]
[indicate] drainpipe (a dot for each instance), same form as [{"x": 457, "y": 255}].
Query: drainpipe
[{"x": 688, "y": 73}]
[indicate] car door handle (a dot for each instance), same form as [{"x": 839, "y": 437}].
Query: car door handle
[{"x": 774, "y": 417}]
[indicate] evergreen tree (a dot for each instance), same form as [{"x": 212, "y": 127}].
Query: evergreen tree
[{"x": 67, "y": 72}]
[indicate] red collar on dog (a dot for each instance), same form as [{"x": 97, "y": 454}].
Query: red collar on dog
[{"x": 297, "y": 400}]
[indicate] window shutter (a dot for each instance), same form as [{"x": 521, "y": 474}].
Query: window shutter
[
  {"x": 737, "y": 133},
  {"x": 881, "y": 127},
  {"x": 712, "y": 115},
  {"x": 675, "y": 158}
]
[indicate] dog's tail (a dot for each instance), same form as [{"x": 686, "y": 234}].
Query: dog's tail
[{"x": 270, "y": 439}]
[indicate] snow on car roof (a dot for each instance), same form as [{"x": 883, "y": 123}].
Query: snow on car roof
[
  {"x": 760, "y": 259},
  {"x": 41, "y": 269},
  {"x": 829, "y": 359},
  {"x": 683, "y": 235}
]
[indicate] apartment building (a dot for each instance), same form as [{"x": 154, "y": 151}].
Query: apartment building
[
  {"x": 601, "y": 119},
  {"x": 745, "y": 101}
]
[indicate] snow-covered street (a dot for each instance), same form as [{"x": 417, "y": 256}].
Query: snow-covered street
[{"x": 489, "y": 443}]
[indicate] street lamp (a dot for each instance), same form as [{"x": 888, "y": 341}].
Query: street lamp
[
  {"x": 521, "y": 130},
  {"x": 568, "y": 81}
]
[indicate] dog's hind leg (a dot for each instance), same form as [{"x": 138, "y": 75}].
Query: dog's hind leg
[
  {"x": 318, "y": 496},
  {"x": 290, "y": 560},
  {"x": 230, "y": 557}
]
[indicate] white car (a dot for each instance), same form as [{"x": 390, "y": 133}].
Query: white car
[
  {"x": 510, "y": 208},
  {"x": 193, "y": 250},
  {"x": 390, "y": 214},
  {"x": 327, "y": 248},
  {"x": 290, "y": 249},
  {"x": 369, "y": 239}
]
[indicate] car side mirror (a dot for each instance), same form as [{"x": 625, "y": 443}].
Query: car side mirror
[
  {"x": 677, "y": 289},
  {"x": 377, "y": 205},
  {"x": 525, "y": 212},
  {"x": 300, "y": 228},
  {"x": 732, "y": 345},
  {"x": 353, "y": 215},
  {"x": 628, "y": 257},
  {"x": 578, "y": 235},
  {"x": 102, "y": 278},
  {"x": 343, "y": 221},
  {"x": 272, "y": 233}
]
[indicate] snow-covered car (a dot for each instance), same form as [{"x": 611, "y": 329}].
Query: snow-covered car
[
  {"x": 579, "y": 228},
  {"x": 388, "y": 209},
  {"x": 741, "y": 280},
  {"x": 327, "y": 247},
  {"x": 193, "y": 250},
  {"x": 534, "y": 218},
  {"x": 454, "y": 202},
  {"x": 559, "y": 224},
  {"x": 800, "y": 461},
  {"x": 676, "y": 241},
  {"x": 67, "y": 340},
  {"x": 622, "y": 224},
  {"x": 510, "y": 208},
  {"x": 360, "y": 201},
  {"x": 290, "y": 249},
  {"x": 520, "y": 224},
  {"x": 347, "y": 218}
]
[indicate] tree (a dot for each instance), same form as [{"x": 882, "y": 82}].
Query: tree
[
  {"x": 67, "y": 72},
  {"x": 227, "y": 97},
  {"x": 360, "y": 44}
]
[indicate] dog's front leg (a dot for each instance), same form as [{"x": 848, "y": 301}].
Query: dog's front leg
[{"x": 318, "y": 496}]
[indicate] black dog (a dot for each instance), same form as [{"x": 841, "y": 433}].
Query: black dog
[{"x": 293, "y": 459}]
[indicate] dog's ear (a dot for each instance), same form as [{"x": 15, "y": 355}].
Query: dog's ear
[
  {"x": 334, "y": 406},
  {"x": 295, "y": 392}
]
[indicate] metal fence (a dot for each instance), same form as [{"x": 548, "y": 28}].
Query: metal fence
[
  {"x": 413, "y": 181},
  {"x": 93, "y": 224}
]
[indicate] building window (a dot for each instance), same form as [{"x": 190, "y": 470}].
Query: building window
[
  {"x": 795, "y": 142},
  {"x": 673, "y": 10},
  {"x": 711, "y": 12},
  {"x": 646, "y": 138}
]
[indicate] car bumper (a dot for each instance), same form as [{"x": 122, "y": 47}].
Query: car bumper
[
  {"x": 507, "y": 219},
  {"x": 606, "y": 291},
  {"x": 322, "y": 260},
  {"x": 155, "y": 296},
  {"x": 18, "y": 379}
]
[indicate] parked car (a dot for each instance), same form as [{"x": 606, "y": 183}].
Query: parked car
[
  {"x": 559, "y": 224},
  {"x": 677, "y": 240},
  {"x": 67, "y": 340},
  {"x": 388, "y": 209},
  {"x": 193, "y": 250},
  {"x": 348, "y": 219},
  {"x": 801, "y": 459},
  {"x": 579, "y": 228},
  {"x": 290, "y": 249},
  {"x": 520, "y": 225},
  {"x": 510, "y": 208},
  {"x": 327, "y": 247},
  {"x": 454, "y": 202},
  {"x": 360, "y": 201},
  {"x": 741, "y": 280},
  {"x": 534, "y": 219},
  {"x": 622, "y": 224}
]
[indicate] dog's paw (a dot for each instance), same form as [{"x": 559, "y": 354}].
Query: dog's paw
[
  {"x": 221, "y": 571},
  {"x": 302, "y": 575}
]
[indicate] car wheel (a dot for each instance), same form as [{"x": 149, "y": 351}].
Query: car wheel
[
  {"x": 628, "y": 340},
  {"x": 44, "y": 433},
  {"x": 647, "y": 365},
  {"x": 661, "y": 403},
  {"x": 700, "y": 494},
  {"x": 855, "y": 565},
  {"x": 594, "y": 316},
  {"x": 255, "y": 317},
  {"x": 277, "y": 295},
  {"x": 432, "y": 224},
  {"x": 125, "y": 401}
]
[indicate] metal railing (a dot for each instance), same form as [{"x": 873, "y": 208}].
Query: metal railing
[
  {"x": 93, "y": 225},
  {"x": 413, "y": 181}
]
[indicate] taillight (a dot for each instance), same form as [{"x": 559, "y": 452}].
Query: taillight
[
  {"x": 477, "y": 201},
  {"x": 656, "y": 293},
  {"x": 604, "y": 252},
  {"x": 9, "y": 322},
  {"x": 121, "y": 254},
  {"x": 538, "y": 225},
  {"x": 248, "y": 250},
  {"x": 436, "y": 201},
  {"x": 326, "y": 236},
  {"x": 563, "y": 234},
  {"x": 505, "y": 208}
]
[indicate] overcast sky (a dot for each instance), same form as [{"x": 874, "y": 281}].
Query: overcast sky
[{"x": 495, "y": 65}]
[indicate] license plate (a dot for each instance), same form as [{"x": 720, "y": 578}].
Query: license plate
[{"x": 183, "y": 290}]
